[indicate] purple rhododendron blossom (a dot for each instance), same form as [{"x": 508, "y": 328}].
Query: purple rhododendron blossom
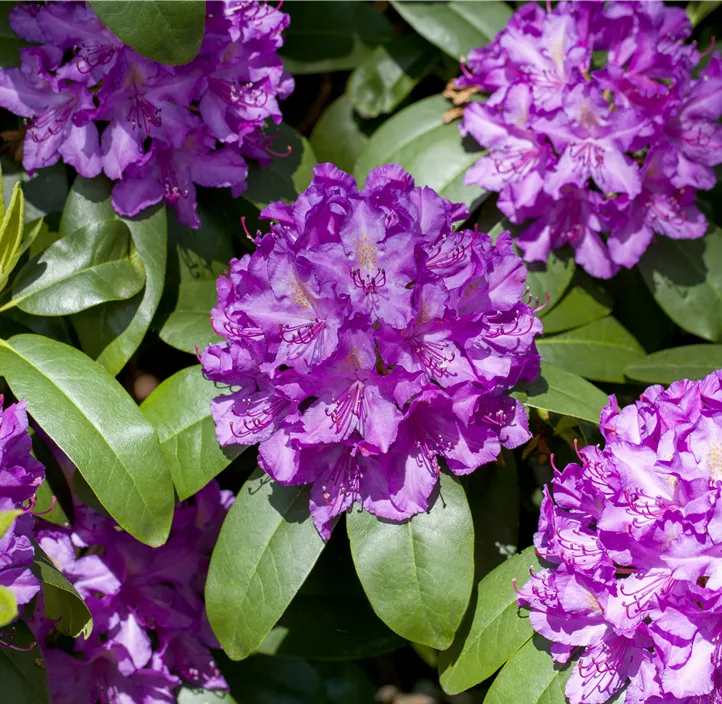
[
  {"x": 368, "y": 344},
  {"x": 150, "y": 631},
  {"x": 633, "y": 534},
  {"x": 595, "y": 126},
  {"x": 164, "y": 128}
]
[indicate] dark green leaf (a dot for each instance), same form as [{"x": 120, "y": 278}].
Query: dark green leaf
[
  {"x": 458, "y": 26},
  {"x": 685, "y": 277},
  {"x": 337, "y": 136},
  {"x": 62, "y": 603},
  {"x": 493, "y": 630},
  {"x": 94, "y": 421},
  {"x": 267, "y": 547},
  {"x": 530, "y": 677},
  {"x": 45, "y": 191},
  {"x": 189, "y": 325},
  {"x": 169, "y": 32},
  {"x": 583, "y": 304},
  {"x": 666, "y": 366},
  {"x": 418, "y": 574},
  {"x": 381, "y": 82},
  {"x": 22, "y": 672},
  {"x": 599, "y": 351},
  {"x": 88, "y": 267},
  {"x": 432, "y": 152},
  {"x": 560, "y": 391},
  {"x": 180, "y": 411},
  {"x": 8, "y": 606},
  {"x": 552, "y": 277}
]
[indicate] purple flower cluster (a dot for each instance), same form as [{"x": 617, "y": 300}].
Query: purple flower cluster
[
  {"x": 20, "y": 476},
  {"x": 369, "y": 345},
  {"x": 150, "y": 631},
  {"x": 595, "y": 125},
  {"x": 634, "y": 534},
  {"x": 166, "y": 128}
]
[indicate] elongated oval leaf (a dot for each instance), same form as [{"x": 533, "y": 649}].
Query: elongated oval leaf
[
  {"x": 666, "y": 366},
  {"x": 458, "y": 26},
  {"x": 560, "y": 391},
  {"x": 599, "y": 351},
  {"x": 189, "y": 325},
  {"x": 338, "y": 136},
  {"x": 169, "y": 32},
  {"x": 432, "y": 152},
  {"x": 493, "y": 630},
  {"x": 267, "y": 547},
  {"x": 88, "y": 267},
  {"x": 550, "y": 279},
  {"x": 583, "y": 304},
  {"x": 8, "y": 606},
  {"x": 418, "y": 575},
  {"x": 93, "y": 420},
  {"x": 180, "y": 411},
  {"x": 11, "y": 230},
  {"x": 22, "y": 670}
]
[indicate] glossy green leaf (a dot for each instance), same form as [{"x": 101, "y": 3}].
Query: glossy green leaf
[
  {"x": 98, "y": 426},
  {"x": 7, "y": 518},
  {"x": 381, "y": 82},
  {"x": 63, "y": 604},
  {"x": 432, "y": 152},
  {"x": 583, "y": 304},
  {"x": 599, "y": 351},
  {"x": 267, "y": 546},
  {"x": 45, "y": 191},
  {"x": 551, "y": 277},
  {"x": 685, "y": 278},
  {"x": 560, "y": 391},
  {"x": 458, "y": 26},
  {"x": 493, "y": 630},
  {"x": 8, "y": 606},
  {"x": 189, "y": 325},
  {"x": 418, "y": 575},
  {"x": 530, "y": 677},
  {"x": 180, "y": 411},
  {"x": 666, "y": 366},
  {"x": 22, "y": 672},
  {"x": 111, "y": 333},
  {"x": 88, "y": 267},
  {"x": 169, "y": 32}
]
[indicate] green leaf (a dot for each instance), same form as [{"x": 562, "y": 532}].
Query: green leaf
[
  {"x": 190, "y": 695},
  {"x": 551, "y": 277},
  {"x": 599, "y": 351},
  {"x": 432, "y": 152},
  {"x": 180, "y": 411},
  {"x": 685, "y": 278},
  {"x": 267, "y": 546},
  {"x": 51, "y": 512},
  {"x": 169, "y": 32},
  {"x": 94, "y": 421},
  {"x": 493, "y": 630},
  {"x": 560, "y": 391},
  {"x": 530, "y": 677},
  {"x": 7, "y": 518},
  {"x": 8, "y": 606},
  {"x": 381, "y": 82},
  {"x": 583, "y": 304},
  {"x": 62, "y": 603},
  {"x": 22, "y": 672},
  {"x": 688, "y": 362},
  {"x": 337, "y": 136},
  {"x": 111, "y": 333},
  {"x": 11, "y": 231},
  {"x": 86, "y": 268},
  {"x": 45, "y": 191},
  {"x": 334, "y": 36},
  {"x": 189, "y": 325},
  {"x": 458, "y": 26},
  {"x": 418, "y": 575}
]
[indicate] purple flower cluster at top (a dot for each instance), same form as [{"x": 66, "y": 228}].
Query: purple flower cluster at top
[
  {"x": 20, "y": 476},
  {"x": 366, "y": 339},
  {"x": 166, "y": 128},
  {"x": 582, "y": 149},
  {"x": 150, "y": 631},
  {"x": 634, "y": 534}
]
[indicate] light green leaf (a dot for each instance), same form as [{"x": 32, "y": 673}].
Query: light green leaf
[
  {"x": 51, "y": 511},
  {"x": 337, "y": 136},
  {"x": 688, "y": 362},
  {"x": 267, "y": 547},
  {"x": 22, "y": 670},
  {"x": 583, "y": 304},
  {"x": 94, "y": 421},
  {"x": 418, "y": 575},
  {"x": 180, "y": 411},
  {"x": 190, "y": 695},
  {"x": 189, "y": 325},
  {"x": 11, "y": 232},
  {"x": 8, "y": 606},
  {"x": 7, "y": 518}
]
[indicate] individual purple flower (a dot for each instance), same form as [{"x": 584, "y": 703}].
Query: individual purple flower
[
  {"x": 97, "y": 104},
  {"x": 637, "y": 136},
  {"x": 369, "y": 345},
  {"x": 632, "y": 535}
]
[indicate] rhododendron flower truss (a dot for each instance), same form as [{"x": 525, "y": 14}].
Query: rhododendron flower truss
[
  {"x": 634, "y": 537},
  {"x": 595, "y": 104},
  {"x": 93, "y": 102},
  {"x": 369, "y": 345}
]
